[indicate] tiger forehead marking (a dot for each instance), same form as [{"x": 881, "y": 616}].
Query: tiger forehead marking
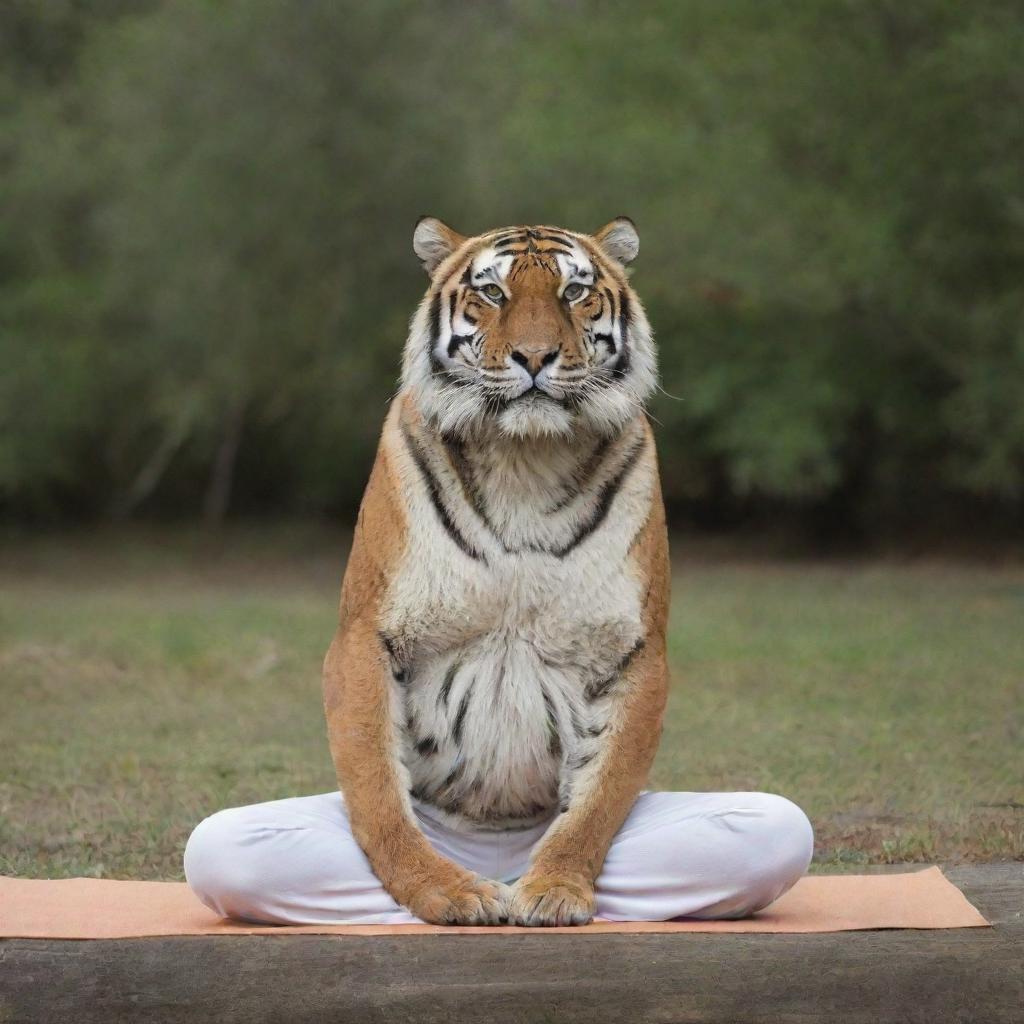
[
  {"x": 512, "y": 256},
  {"x": 532, "y": 329}
]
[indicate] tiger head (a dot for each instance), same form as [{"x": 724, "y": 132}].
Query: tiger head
[{"x": 532, "y": 330}]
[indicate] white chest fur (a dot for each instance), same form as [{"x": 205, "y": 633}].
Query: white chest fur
[{"x": 511, "y": 635}]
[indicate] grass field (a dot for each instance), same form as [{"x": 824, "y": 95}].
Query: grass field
[{"x": 147, "y": 681}]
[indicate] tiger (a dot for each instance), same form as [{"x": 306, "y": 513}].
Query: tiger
[{"x": 500, "y": 652}]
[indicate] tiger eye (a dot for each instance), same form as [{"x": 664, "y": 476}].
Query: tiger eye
[
  {"x": 493, "y": 292},
  {"x": 573, "y": 292}
]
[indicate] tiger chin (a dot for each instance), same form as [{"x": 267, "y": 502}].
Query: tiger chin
[{"x": 500, "y": 655}]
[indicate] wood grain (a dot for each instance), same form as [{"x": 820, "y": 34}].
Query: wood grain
[{"x": 857, "y": 977}]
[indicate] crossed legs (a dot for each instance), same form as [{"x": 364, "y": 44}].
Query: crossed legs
[{"x": 708, "y": 855}]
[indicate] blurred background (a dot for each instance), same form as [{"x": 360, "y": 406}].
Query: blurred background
[
  {"x": 206, "y": 274},
  {"x": 206, "y": 268}
]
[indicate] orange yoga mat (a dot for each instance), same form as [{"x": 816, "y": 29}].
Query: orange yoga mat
[{"x": 90, "y": 908}]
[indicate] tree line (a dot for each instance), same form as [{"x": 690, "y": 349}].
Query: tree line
[{"x": 206, "y": 273}]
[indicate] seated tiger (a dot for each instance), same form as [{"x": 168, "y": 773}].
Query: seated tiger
[{"x": 495, "y": 689}]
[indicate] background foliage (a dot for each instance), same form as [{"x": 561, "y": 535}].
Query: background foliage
[{"x": 205, "y": 264}]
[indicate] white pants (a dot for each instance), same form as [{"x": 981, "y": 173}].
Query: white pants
[{"x": 677, "y": 855}]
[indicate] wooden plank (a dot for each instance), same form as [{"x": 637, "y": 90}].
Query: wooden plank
[
  {"x": 997, "y": 890},
  {"x": 857, "y": 977}
]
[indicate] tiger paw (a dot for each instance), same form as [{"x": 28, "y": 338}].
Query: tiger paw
[
  {"x": 549, "y": 899},
  {"x": 465, "y": 899}
]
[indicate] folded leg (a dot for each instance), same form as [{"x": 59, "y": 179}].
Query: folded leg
[
  {"x": 677, "y": 855},
  {"x": 296, "y": 861},
  {"x": 287, "y": 862},
  {"x": 706, "y": 855}
]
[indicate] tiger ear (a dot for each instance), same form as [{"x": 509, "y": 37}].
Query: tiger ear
[
  {"x": 619, "y": 239},
  {"x": 433, "y": 241}
]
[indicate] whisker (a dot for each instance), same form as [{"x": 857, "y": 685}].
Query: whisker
[{"x": 668, "y": 394}]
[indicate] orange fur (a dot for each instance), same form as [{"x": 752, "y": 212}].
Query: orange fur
[{"x": 361, "y": 734}]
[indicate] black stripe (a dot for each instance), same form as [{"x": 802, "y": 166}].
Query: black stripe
[
  {"x": 434, "y": 491},
  {"x": 435, "y": 333},
  {"x": 631, "y": 654},
  {"x": 595, "y": 691},
  {"x": 427, "y": 746},
  {"x": 562, "y": 239},
  {"x": 593, "y": 464},
  {"x": 554, "y": 738},
  {"x": 457, "y": 340},
  {"x": 435, "y": 318},
  {"x": 529, "y": 812},
  {"x": 578, "y": 761},
  {"x": 460, "y": 717},
  {"x": 449, "y": 678},
  {"x": 622, "y": 366},
  {"x": 582, "y": 475},
  {"x": 435, "y": 321},
  {"x": 600, "y": 261},
  {"x": 467, "y": 477},
  {"x": 397, "y": 670},
  {"x": 607, "y": 300},
  {"x": 535, "y": 251},
  {"x": 604, "y": 500},
  {"x": 563, "y": 247}
]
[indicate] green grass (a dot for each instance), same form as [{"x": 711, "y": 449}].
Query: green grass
[{"x": 148, "y": 681}]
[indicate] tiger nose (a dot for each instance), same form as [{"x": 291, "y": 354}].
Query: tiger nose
[{"x": 535, "y": 356}]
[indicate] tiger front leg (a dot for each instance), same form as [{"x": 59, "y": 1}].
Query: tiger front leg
[
  {"x": 558, "y": 887},
  {"x": 431, "y": 886}
]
